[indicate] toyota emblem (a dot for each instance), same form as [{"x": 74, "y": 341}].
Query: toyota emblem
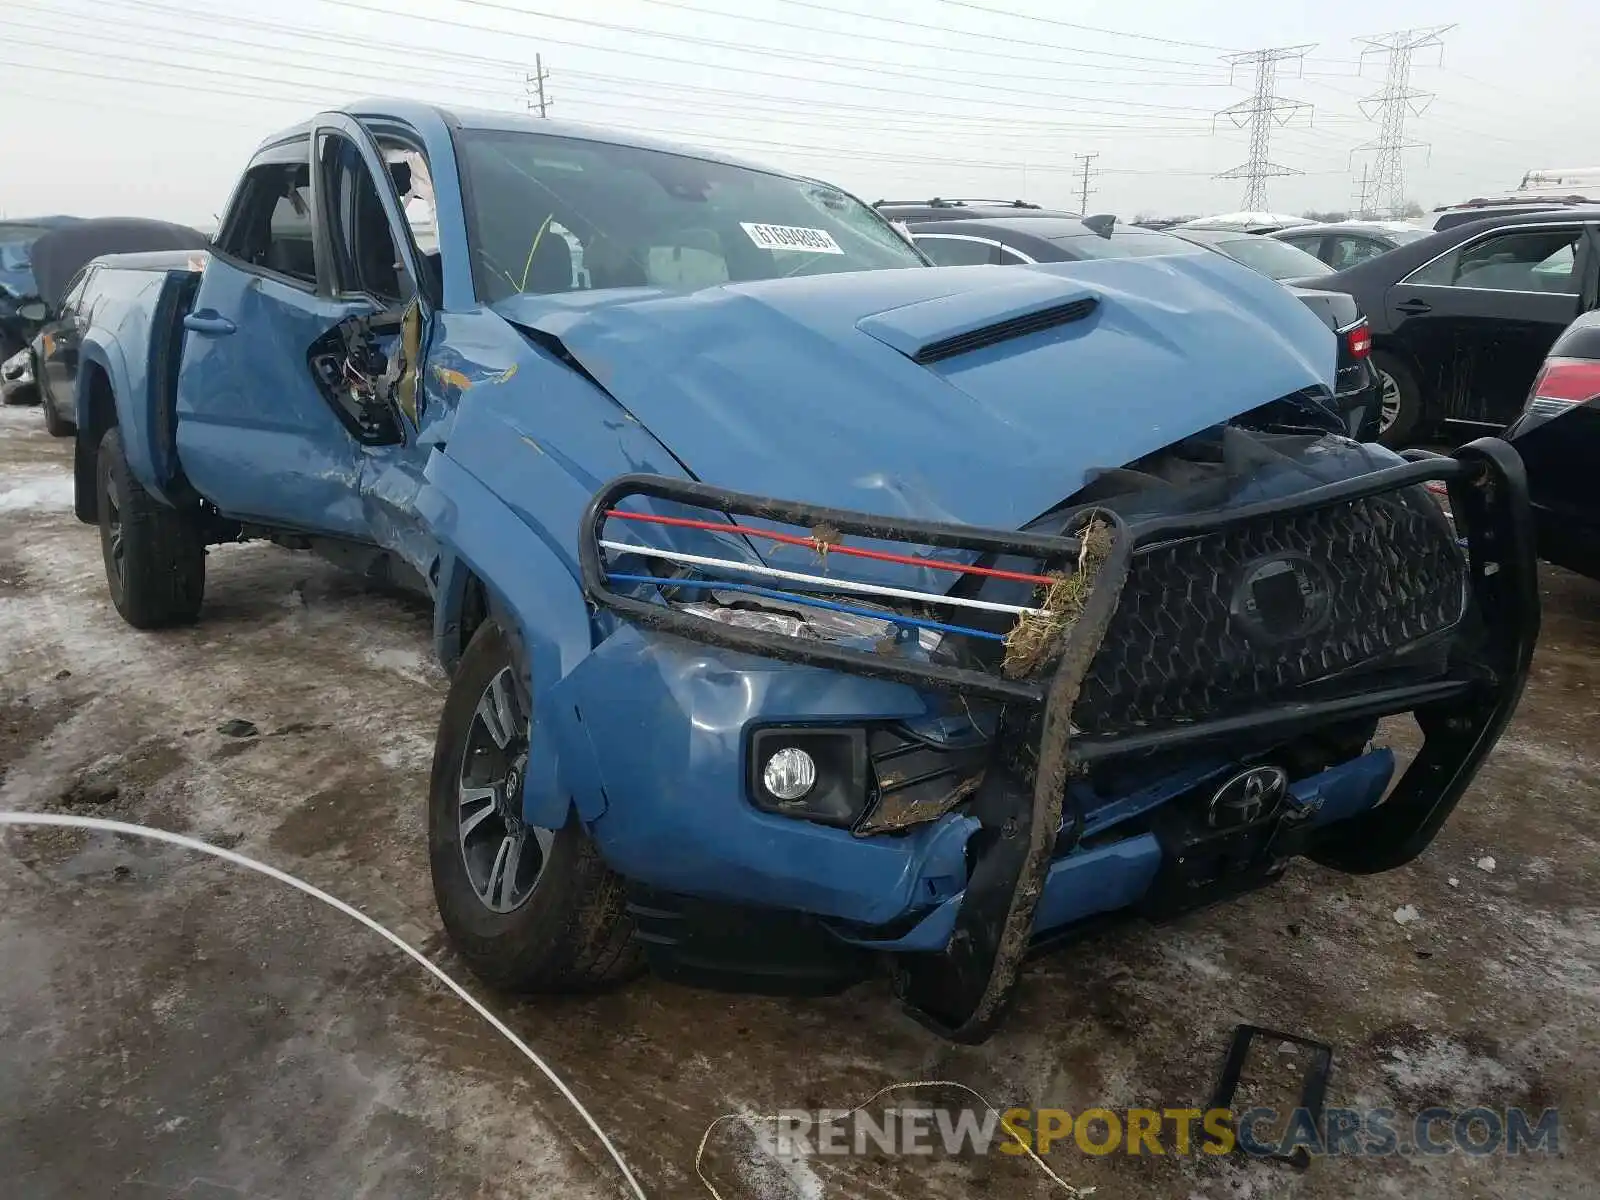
[{"x": 1248, "y": 797}]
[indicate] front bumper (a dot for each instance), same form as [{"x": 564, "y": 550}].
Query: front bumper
[{"x": 1021, "y": 825}]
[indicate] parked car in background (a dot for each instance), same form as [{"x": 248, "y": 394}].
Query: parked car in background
[
  {"x": 1452, "y": 215},
  {"x": 64, "y": 270},
  {"x": 1558, "y": 436},
  {"x": 1461, "y": 319},
  {"x": 1244, "y": 222},
  {"x": 1037, "y": 239},
  {"x": 1274, "y": 259},
  {"x": 939, "y": 209},
  {"x": 16, "y": 278},
  {"x": 1342, "y": 244}
]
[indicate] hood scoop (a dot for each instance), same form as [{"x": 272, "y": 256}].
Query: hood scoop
[
  {"x": 1004, "y": 331},
  {"x": 948, "y": 326}
]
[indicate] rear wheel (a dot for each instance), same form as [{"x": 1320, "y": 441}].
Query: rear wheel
[
  {"x": 529, "y": 909},
  {"x": 155, "y": 555},
  {"x": 1400, "y": 416}
]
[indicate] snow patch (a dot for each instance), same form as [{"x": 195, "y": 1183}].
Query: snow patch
[
  {"x": 25, "y": 492},
  {"x": 410, "y": 664},
  {"x": 1445, "y": 1067}
]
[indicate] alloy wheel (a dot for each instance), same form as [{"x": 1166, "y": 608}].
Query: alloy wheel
[
  {"x": 1389, "y": 403},
  {"x": 504, "y": 856}
]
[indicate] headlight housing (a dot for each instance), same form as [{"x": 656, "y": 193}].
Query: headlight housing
[{"x": 820, "y": 623}]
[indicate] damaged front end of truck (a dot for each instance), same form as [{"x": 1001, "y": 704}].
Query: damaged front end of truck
[{"x": 1155, "y": 696}]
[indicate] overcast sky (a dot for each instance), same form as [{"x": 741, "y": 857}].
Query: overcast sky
[{"x": 151, "y": 107}]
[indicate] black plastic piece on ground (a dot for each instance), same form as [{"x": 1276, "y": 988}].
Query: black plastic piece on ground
[{"x": 1313, "y": 1089}]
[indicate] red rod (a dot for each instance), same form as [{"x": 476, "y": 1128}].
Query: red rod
[{"x": 854, "y": 551}]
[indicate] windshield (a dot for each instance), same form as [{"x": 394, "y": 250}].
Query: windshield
[
  {"x": 554, "y": 214},
  {"x": 1272, "y": 258},
  {"x": 1121, "y": 245}
]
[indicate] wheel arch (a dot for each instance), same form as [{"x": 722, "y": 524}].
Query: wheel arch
[
  {"x": 95, "y": 407},
  {"x": 494, "y": 565}
]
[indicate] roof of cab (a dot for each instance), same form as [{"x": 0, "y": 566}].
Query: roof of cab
[{"x": 414, "y": 112}]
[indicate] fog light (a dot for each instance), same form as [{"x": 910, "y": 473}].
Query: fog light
[{"x": 789, "y": 774}]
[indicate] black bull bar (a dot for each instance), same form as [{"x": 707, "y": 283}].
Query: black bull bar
[{"x": 962, "y": 991}]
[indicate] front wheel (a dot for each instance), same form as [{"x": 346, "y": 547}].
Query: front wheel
[
  {"x": 155, "y": 555},
  {"x": 529, "y": 909}
]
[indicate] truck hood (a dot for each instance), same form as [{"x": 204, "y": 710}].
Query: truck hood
[{"x": 983, "y": 395}]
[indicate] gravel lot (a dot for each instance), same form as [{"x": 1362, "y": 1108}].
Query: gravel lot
[{"x": 172, "y": 1026}]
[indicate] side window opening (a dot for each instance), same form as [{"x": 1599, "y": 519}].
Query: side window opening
[
  {"x": 364, "y": 252},
  {"x": 413, "y": 184},
  {"x": 270, "y": 226}
]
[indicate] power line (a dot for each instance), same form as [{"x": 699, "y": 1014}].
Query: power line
[
  {"x": 965, "y": 34},
  {"x": 875, "y": 67},
  {"x": 1084, "y": 190},
  {"x": 1142, "y": 37},
  {"x": 1392, "y": 105},
  {"x": 626, "y": 84},
  {"x": 348, "y": 66},
  {"x": 279, "y": 80},
  {"x": 1264, "y": 110}
]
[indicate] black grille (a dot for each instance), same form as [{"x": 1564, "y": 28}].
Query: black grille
[
  {"x": 1001, "y": 331},
  {"x": 1378, "y": 574}
]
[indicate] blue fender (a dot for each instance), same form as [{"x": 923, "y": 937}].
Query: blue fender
[
  {"x": 136, "y": 351},
  {"x": 479, "y": 535}
]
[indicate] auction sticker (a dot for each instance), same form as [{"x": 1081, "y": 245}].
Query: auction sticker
[{"x": 791, "y": 237}]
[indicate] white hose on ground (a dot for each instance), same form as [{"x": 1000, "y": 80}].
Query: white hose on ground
[{"x": 99, "y": 825}]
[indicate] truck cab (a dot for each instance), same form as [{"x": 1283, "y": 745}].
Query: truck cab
[{"x": 271, "y": 390}]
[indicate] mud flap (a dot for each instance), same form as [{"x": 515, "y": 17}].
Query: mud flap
[{"x": 963, "y": 992}]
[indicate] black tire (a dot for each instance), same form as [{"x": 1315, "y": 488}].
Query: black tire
[
  {"x": 53, "y": 424},
  {"x": 572, "y": 933},
  {"x": 155, "y": 555},
  {"x": 1408, "y": 424}
]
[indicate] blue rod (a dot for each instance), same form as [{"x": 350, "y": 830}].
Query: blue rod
[{"x": 810, "y": 601}]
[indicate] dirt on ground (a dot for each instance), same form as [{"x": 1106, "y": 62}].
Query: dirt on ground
[{"x": 171, "y": 1025}]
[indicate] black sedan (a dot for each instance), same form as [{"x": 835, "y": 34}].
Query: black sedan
[
  {"x": 64, "y": 267},
  {"x": 1342, "y": 244},
  {"x": 1461, "y": 319},
  {"x": 1558, "y": 436}
]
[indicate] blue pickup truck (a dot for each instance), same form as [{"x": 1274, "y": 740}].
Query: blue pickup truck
[{"x": 809, "y": 609}]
